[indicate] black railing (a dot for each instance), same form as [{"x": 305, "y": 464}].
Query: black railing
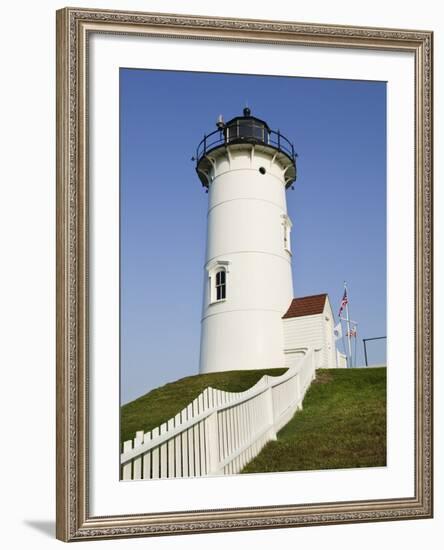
[
  {"x": 241, "y": 131},
  {"x": 382, "y": 351}
]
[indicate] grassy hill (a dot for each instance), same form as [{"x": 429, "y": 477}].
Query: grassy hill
[
  {"x": 342, "y": 425},
  {"x": 159, "y": 405}
]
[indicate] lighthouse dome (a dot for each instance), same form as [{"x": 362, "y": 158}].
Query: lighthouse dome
[{"x": 242, "y": 132}]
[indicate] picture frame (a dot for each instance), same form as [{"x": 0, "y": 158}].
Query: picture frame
[{"x": 75, "y": 378}]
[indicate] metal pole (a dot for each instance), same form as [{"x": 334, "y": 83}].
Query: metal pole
[
  {"x": 348, "y": 328},
  {"x": 342, "y": 337},
  {"x": 356, "y": 345},
  {"x": 365, "y": 340},
  {"x": 365, "y": 351}
]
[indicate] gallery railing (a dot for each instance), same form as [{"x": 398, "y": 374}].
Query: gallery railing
[
  {"x": 219, "y": 432},
  {"x": 245, "y": 133}
]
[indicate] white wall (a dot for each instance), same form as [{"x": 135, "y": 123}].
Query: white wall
[
  {"x": 341, "y": 360},
  {"x": 27, "y": 277},
  {"x": 313, "y": 331},
  {"x": 304, "y": 331},
  {"x": 245, "y": 229},
  {"x": 330, "y": 345}
]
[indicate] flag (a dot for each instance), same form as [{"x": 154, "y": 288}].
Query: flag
[
  {"x": 344, "y": 302},
  {"x": 337, "y": 331},
  {"x": 352, "y": 332}
]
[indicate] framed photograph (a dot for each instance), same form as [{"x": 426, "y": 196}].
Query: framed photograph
[{"x": 244, "y": 274}]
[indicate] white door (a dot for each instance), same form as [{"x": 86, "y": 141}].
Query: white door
[{"x": 293, "y": 357}]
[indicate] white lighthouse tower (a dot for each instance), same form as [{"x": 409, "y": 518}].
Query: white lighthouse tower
[{"x": 247, "y": 168}]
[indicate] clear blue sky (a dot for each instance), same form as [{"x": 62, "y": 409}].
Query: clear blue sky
[{"x": 338, "y": 207}]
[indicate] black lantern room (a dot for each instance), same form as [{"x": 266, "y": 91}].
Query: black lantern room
[{"x": 245, "y": 131}]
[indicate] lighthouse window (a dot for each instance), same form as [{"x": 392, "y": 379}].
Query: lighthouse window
[
  {"x": 220, "y": 285},
  {"x": 287, "y": 230},
  {"x": 217, "y": 280},
  {"x": 287, "y": 238}
]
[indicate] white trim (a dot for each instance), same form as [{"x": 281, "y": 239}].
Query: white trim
[{"x": 213, "y": 269}]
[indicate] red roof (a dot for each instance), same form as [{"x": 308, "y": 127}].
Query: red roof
[{"x": 307, "y": 305}]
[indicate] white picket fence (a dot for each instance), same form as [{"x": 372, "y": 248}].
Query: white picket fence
[{"x": 219, "y": 432}]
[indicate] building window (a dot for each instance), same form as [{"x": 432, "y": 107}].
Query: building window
[
  {"x": 287, "y": 244},
  {"x": 220, "y": 285},
  {"x": 287, "y": 231},
  {"x": 217, "y": 278}
]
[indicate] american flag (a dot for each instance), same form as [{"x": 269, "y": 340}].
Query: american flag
[{"x": 344, "y": 302}]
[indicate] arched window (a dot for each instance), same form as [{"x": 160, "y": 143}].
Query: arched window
[
  {"x": 220, "y": 285},
  {"x": 217, "y": 280}
]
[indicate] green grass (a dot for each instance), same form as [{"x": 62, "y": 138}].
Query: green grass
[
  {"x": 161, "y": 404},
  {"x": 342, "y": 425}
]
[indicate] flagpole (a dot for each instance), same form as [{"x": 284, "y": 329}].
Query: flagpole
[
  {"x": 342, "y": 336},
  {"x": 348, "y": 328},
  {"x": 356, "y": 342}
]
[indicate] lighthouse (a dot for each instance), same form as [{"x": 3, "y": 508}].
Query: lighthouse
[{"x": 246, "y": 167}]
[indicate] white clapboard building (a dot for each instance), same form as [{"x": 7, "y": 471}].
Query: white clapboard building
[
  {"x": 250, "y": 318},
  {"x": 309, "y": 322}
]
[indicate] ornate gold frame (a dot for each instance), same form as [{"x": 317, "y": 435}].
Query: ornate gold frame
[{"x": 73, "y": 519}]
